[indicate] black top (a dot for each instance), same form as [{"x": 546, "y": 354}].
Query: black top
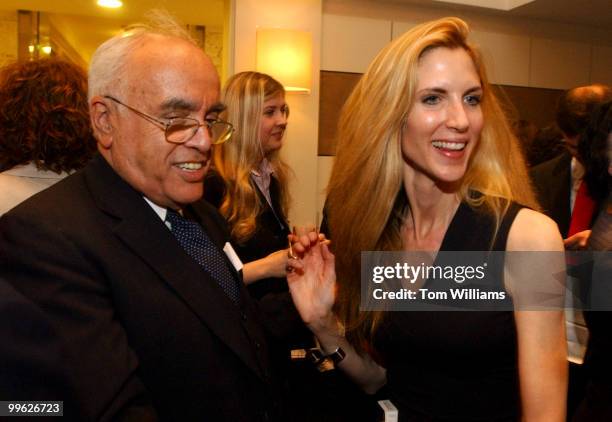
[
  {"x": 455, "y": 366},
  {"x": 270, "y": 234}
]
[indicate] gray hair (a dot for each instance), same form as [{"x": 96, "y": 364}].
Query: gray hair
[{"x": 108, "y": 63}]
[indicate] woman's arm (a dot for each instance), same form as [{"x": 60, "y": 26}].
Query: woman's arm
[
  {"x": 542, "y": 349},
  {"x": 360, "y": 368},
  {"x": 273, "y": 265},
  {"x": 312, "y": 283}
]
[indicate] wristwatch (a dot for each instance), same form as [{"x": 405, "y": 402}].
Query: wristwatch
[
  {"x": 337, "y": 356},
  {"x": 315, "y": 356}
]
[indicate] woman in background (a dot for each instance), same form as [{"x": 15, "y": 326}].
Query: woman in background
[
  {"x": 249, "y": 186},
  {"x": 249, "y": 183},
  {"x": 44, "y": 127},
  {"x": 426, "y": 161}
]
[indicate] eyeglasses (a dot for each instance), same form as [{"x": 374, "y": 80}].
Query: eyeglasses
[{"x": 179, "y": 130}]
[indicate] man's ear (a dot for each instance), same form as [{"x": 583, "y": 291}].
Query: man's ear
[{"x": 99, "y": 113}]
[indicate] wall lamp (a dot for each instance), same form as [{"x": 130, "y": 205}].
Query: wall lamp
[{"x": 286, "y": 55}]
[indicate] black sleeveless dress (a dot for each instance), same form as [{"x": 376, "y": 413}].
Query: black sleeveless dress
[{"x": 450, "y": 365}]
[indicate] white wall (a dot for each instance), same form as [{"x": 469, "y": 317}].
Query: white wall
[
  {"x": 300, "y": 150},
  {"x": 519, "y": 52}
]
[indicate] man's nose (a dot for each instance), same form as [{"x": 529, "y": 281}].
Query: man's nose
[{"x": 201, "y": 139}]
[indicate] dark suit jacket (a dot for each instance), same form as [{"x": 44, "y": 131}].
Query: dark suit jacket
[
  {"x": 552, "y": 180},
  {"x": 30, "y": 351},
  {"x": 270, "y": 233},
  {"x": 148, "y": 330}
]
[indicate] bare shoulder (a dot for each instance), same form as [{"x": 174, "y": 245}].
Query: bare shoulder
[{"x": 534, "y": 231}]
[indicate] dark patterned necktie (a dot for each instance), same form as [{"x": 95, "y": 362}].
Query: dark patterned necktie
[{"x": 198, "y": 245}]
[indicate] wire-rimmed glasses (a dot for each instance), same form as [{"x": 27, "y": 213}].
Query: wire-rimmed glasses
[{"x": 179, "y": 130}]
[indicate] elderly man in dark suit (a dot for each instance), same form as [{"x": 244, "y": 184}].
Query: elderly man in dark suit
[{"x": 133, "y": 271}]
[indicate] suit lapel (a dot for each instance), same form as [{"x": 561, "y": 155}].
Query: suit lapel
[
  {"x": 273, "y": 211},
  {"x": 552, "y": 180},
  {"x": 561, "y": 182},
  {"x": 146, "y": 235}
]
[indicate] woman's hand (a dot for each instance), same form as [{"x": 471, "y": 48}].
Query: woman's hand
[
  {"x": 311, "y": 276},
  {"x": 273, "y": 265},
  {"x": 312, "y": 282},
  {"x": 277, "y": 263}
]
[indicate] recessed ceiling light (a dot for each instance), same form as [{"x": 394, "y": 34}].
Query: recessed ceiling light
[
  {"x": 111, "y": 4},
  {"x": 490, "y": 4}
]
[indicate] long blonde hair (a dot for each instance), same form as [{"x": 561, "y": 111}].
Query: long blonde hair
[
  {"x": 244, "y": 94},
  {"x": 369, "y": 163}
]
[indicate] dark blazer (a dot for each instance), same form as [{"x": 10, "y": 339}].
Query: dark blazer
[
  {"x": 148, "y": 330},
  {"x": 30, "y": 351},
  {"x": 552, "y": 181},
  {"x": 270, "y": 233}
]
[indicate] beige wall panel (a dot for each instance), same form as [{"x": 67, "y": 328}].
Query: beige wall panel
[
  {"x": 506, "y": 57},
  {"x": 349, "y": 43},
  {"x": 601, "y": 65},
  {"x": 400, "y": 27},
  {"x": 300, "y": 147},
  {"x": 559, "y": 64}
]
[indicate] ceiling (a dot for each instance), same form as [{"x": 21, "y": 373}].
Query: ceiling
[
  {"x": 85, "y": 25},
  {"x": 201, "y": 12},
  {"x": 596, "y": 13},
  {"x": 210, "y": 12}
]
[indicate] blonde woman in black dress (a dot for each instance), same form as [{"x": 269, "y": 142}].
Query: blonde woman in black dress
[{"x": 426, "y": 161}]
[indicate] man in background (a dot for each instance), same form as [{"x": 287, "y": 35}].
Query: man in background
[
  {"x": 565, "y": 198},
  {"x": 558, "y": 181}
]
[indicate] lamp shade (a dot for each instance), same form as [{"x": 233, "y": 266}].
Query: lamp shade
[{"x": 286, "y": 55}]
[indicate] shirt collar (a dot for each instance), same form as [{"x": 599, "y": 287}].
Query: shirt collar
[
  {"x": 265, "y": 169},
  {"x": 160, "y": 211},
  {"x": 577, "y": 169}
]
